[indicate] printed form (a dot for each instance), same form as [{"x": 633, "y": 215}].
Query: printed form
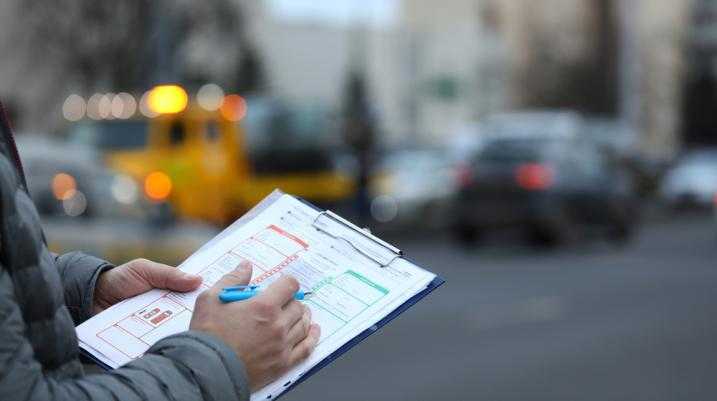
[{"x": 351, "y": 291}]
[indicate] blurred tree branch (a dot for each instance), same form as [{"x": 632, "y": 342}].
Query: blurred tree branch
[
  {"x": 116, "y": 45},
  {"x": 90, "y": 41}
]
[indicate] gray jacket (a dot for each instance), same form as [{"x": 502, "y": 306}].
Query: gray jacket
[{"x": 42, "y": 298}]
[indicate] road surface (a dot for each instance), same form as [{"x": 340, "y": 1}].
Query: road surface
[{"x": 588, "y": 322}]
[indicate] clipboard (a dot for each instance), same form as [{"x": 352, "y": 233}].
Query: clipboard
[
  {"x": 380, "y": 252},
  {"x": 437, "y": 282}
]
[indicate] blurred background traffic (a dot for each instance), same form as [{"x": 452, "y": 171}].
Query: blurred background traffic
[{"x": 555, "y": 160}]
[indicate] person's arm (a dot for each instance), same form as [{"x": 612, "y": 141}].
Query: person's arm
[
  {"x": 188, "y": 366},
  {"x": 79, "y": 273}
]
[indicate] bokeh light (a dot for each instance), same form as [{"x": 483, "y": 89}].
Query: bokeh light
[
  {"x": 123, "y": 106},
  {"x": 117, "y": 106},
  {"x": 130, "y": 105},
  {"x": 104, "y": 106},
  {"x": 384, "y": 208},
  {"x": 167, "y": 99},
  {"x": 233, "y": 108},
  {"x": 63, "y": 186},
  {"x": 75, "y": 205},
  {"x": 124, "y": 189},
  {"x": 157, "y": 186},
  {"x": 210, "y": 97},
  {"x": 93, "y": 106},
  {"x": 144, "y": 106},
  {"x": 74, "y": 108}
]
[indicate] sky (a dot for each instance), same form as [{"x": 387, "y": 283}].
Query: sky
[{"x": 340, "y": 12}]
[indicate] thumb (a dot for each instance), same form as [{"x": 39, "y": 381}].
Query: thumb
[
  {"x": 239, "y": 276},
  {"x": 167, "y": 277}
]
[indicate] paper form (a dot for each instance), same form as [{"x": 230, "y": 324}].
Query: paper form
[{"x": 351, "y": 292}]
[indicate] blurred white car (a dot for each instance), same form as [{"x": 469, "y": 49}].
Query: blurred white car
[
  {"x": 413, "y": 186},
  {"x": 70, "y": 180},
  {"x": 61, "y": 178},
  {"x": 85, "y": 206},
  {"x": 693, "y": 181}
]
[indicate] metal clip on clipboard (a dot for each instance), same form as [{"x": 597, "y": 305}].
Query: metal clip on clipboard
[{"x": 362, "y": 241}]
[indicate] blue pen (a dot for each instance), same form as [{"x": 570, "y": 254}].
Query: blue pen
[{"x": 244, "y": 292}]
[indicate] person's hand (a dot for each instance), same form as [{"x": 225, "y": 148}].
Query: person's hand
[
  {"x": 136, "y": 277},
  {"x": 270, "y": 332}
]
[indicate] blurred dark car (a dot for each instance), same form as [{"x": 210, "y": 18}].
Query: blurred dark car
[
  {"x": 692, "y": 182},
  {"x": 551, "y": 186}
]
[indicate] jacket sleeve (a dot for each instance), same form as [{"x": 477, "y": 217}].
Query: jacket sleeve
[
  {"x": 190, "y": 366},
  {"x": 79, "y": 273}
]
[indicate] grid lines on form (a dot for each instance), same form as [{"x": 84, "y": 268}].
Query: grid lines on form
[
  {"x": 352, "y": 294},
  {"x": 134, "y": 331},
  {"x": 269, "y": 250}
]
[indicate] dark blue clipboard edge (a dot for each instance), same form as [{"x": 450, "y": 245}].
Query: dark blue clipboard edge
[
  {"x": 86, "y": 356},
  {"x": 435, "y": 283}
]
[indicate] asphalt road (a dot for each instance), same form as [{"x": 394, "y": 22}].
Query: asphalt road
[{"x": 588, "y": 322}]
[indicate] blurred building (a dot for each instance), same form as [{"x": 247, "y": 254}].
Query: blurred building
[
  {"x": 621, "y": 58},
  {"x": 430, "y": 69},
  {"x": 655, "y": 85},
  {"x": 310, "y": 60},
  {"x": 455, "y": 65},
  {"x": 700, "y": 85}
]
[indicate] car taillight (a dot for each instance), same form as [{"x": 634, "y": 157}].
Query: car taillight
[
  {"x": 464, "y": 175},
  {"x": 534, "y": 176}
]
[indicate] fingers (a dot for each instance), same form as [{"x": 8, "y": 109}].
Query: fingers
[
  {"x": 292, "y": 313},
  {"x": 303, "y": 349},
  {"x": 280, "y": 292},
  {"x": 159, "y": 275},
  {"x": 239, "y": 276},
  {"x": 300, "y": 329}
]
